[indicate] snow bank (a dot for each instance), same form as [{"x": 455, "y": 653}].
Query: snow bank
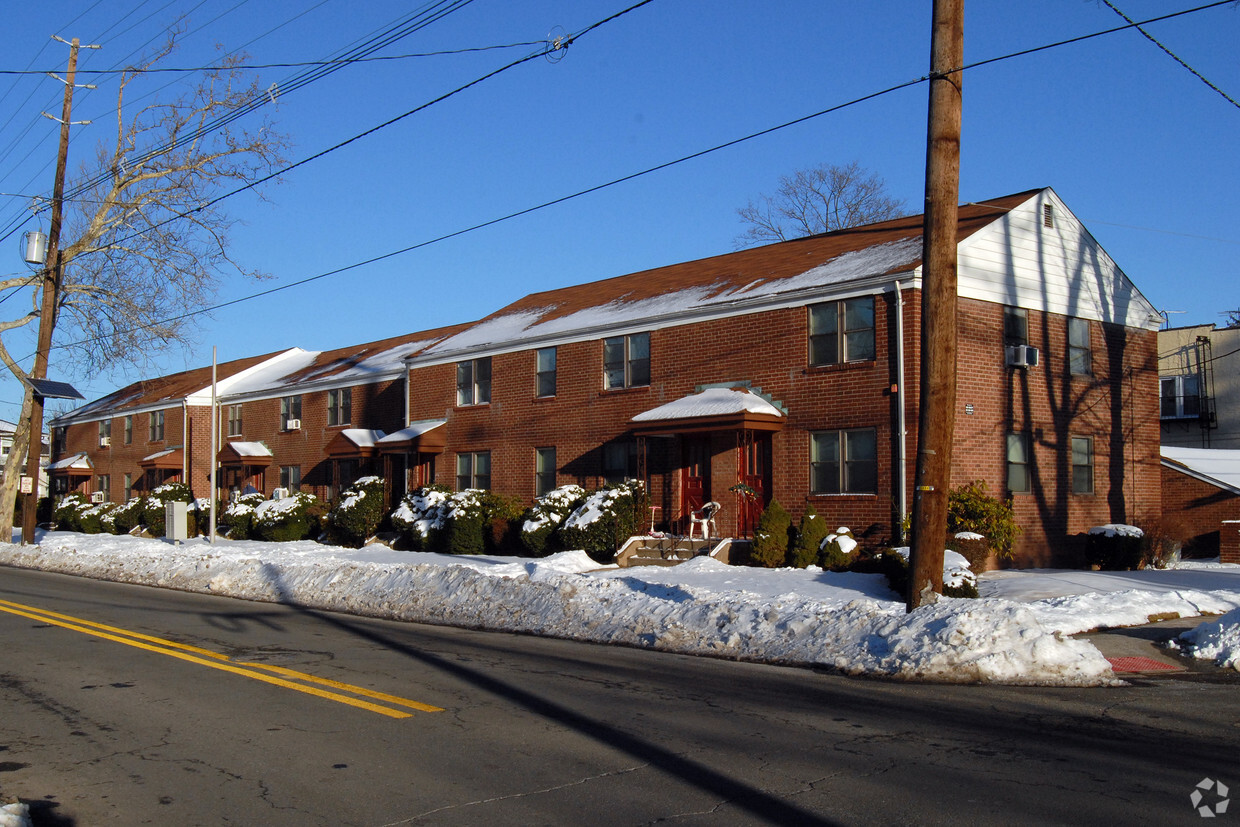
[
  {"x": 1216, "y": 640},
  {"x": 705, "y": 610}
]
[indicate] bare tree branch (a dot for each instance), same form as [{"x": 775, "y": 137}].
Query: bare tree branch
[{"x": 818, "y": 200}]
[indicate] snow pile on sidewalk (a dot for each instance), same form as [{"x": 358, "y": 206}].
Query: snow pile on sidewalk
[
  {"x": 1216, "y": 640},
  {"x": 846, "y": 621}
]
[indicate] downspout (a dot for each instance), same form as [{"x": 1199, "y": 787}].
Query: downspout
[
  {"x": 901, "y": 435},
  {"x": 185, "y": 442}
]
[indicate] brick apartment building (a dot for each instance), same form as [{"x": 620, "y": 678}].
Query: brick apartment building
[{"x": 786, "y": 371}]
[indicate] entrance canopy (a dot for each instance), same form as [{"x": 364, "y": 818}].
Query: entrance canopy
[
  {"x": 245, "y": 454},
  {"x": 354, "y": 442},
  {"x": 713, "y": 409},
  {"x": 428, "y": 436},
  {"x": 76, "y": 465},
  {"x": 169, "y": 460}
]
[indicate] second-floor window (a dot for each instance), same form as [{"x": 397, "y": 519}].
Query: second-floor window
[
  {"x": 841, "y": 331},
  {"x": 545, "y": 381},
  {"x": 155, "y": 427},
  {"x": 473, "y": 381},
  {"x": 290, "y": 411},
  {"x": 1015, "y": 326},
  {"x": 626, "y": 361},
  {"x": 128, "y": 429},
  {"x": 105, "y": 432},
  {"x": 340, "y": 406},
  {"x": 1179, "y": 397},
  {"x": 234, "y": 420},
  {"x": 1080, "y": 354}
]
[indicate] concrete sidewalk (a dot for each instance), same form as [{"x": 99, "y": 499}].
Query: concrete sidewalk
[{"x": 1141, "y": 650}]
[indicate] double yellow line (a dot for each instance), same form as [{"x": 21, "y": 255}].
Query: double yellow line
[{"x": 287, "y": 678}]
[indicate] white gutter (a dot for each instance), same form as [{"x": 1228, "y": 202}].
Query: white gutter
[{"x": 901, "y": 434}]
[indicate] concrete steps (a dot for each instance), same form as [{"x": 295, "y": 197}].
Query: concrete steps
[{"x": 670, "y": 551}]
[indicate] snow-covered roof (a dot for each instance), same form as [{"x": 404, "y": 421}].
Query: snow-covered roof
[
  {"x": 710, "y": 402},
  {"x": 160, "y": 455},
  {"x": 362, "y": 437},
  {"x": 1217, "y": 466},
  {"x": 76, "y": 462},
  {"x": 415, "y": 429},
  {"x": 249, "y": 449}
]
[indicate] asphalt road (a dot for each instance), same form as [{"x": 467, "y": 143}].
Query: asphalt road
[{"x": 129, "y": 705}]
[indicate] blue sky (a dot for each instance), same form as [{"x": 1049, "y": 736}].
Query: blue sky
[{"x": 1139, "y": 148}]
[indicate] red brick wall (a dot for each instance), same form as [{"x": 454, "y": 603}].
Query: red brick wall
[
  {"x": 1229, "y": 551},
  {"x": 1116, "y": 406},
  {"x": 376, "y": 406},
  {"x": 1197, "y": 508}
]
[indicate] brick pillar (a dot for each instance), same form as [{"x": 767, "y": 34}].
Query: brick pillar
[{"x": 1229, "y": 541}]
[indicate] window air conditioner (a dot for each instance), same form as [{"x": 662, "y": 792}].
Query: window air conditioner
[
  {"x": 293, "y": 425},
  {"x": 1022, "y": 356},
  {"x": 105, "y": 441},
  {"x": 279, "y": 493},
  {"x": 96, "y": 497}
]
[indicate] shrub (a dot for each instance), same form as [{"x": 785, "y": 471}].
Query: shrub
[
  {"x": 971, "y": 508},
  {"x": 605, "y": 520},
  {"x": 972, "y": 546},
  {"x": 461, "y": 529},
  {"x": 1115, "y": 547},
  {"x": 238, "y": 516},
  {"x": 838, "y": 549},
  {"x": 420, "y": 513},
  {"x": 538, "y": 528},
  {"x": 153, "y": 505},
  {"x": 890, "y": 563},
  {"x": 91, "y": 520},
  {"x": 770, "y": 538},
  {"x": 358, "y": 513},
  {"x": 125, "y": 517},
  {"x": 810, "y": 533},
  {"x": 68, "y": 513},
  {"x": 44, "y": 511},
  {"x": 287, "y": 519}
]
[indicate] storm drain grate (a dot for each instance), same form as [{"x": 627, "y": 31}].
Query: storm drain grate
[{"x": 1140, "y": 664}]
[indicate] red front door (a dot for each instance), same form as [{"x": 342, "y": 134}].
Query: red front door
[
  {"x": 754, "y": 464},
  {"x": 695, "y": 475}
]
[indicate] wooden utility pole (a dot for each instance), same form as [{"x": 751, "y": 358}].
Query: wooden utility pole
[
  {"x": 49, "y": 306},
  {"x": 937, "y": 410}
]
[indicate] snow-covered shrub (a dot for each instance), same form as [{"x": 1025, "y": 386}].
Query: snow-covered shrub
[
  {"x": 837, "y": 549},
  {"x": 68, "y": 513},
  {"x": 237, "y": 518},
  {"x": 420, "y": 512},
  {"x": 538, "y": 529},
  {"x": 294, "y": 517},
  {"x": 153, "y": 506},
  {"x": 1115, "y": 547},
  {"x": 959, "y": 579},
  {"x": 811, "y": 532},
  {"x": 358, "y": 513},
  {"x": 605, "y": 520},
  {"x": 971, "y": 508},
  {"x": 94, "y": 519},
  {"x": 770, "y": 538},
  {"x": 126, "y": 517},
  {"x": 972, "y": 546}
]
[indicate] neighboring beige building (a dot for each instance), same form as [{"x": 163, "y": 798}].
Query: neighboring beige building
[
  {"x": 1199, "y": 386},
  {"x": 6, "y": 442}
]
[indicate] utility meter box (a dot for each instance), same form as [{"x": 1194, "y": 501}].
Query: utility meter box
[{"x": 176, "y": 521}]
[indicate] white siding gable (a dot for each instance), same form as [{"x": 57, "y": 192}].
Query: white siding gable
[{"x": 1019, "y": 261}]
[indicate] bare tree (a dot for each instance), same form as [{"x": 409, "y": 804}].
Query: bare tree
[
  {"x": 143, "y": 241},
  {"x": 818, "y": 200}
]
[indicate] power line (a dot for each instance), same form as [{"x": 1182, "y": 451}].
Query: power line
[
  {"x": 1173, "y": 55},
  {"x": 256, "y": 66},
  {"x": 597, "y": 187}
]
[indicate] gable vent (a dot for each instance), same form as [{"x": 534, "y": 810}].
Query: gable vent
[{"x": 1048, "y": 215}]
